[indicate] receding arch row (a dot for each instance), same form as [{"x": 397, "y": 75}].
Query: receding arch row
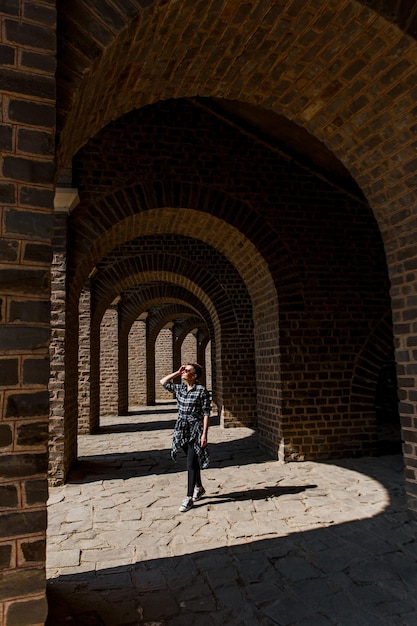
[
  {"x": 183, "y": 320},
  {"x": 225, "y": 324},
  {"x": 235, "y": 247},
  {"x": 226, "y": 239},
  {"x": 211, "y": 270},
  {"x": 192, "y": 210}
]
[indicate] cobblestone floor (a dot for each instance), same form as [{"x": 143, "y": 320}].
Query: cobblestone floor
[{"x": 300, "y": 544}]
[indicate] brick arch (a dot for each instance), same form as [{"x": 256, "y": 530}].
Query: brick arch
[
  {"x": 136, "y": 270},
  {"x": 111, "y": 32},
  {"x": 162, "y": 298},
  {"x": 239, "y": 234},
  {"x": 350, "y": 85},
  {"x": 330, "y": 113},
  {"x": 228, "y": 331},
  {"x": 166, "y": 303},
  {"x": 256, "y": 67},
  {"x": 185, "y": 321},
  {"x": 227, "y": 239},
  {"x": 156, "y": 320}
]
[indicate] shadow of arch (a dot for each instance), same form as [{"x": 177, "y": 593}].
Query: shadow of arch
[{"x": 344, "y": 566}]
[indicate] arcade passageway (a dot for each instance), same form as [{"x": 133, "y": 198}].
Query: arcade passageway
[{"x": 214, "y": 180}]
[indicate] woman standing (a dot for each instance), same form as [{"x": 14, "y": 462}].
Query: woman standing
[{"x": 191, "y": 428}]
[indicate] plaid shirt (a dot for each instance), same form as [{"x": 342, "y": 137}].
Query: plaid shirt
[{"x": 193, "y": 405}]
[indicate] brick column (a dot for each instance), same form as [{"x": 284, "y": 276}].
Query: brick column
[
  {"x": 62, "y": 448},
  {"x": 123, "y": 369},
  {"x": 137, "y": 363},
  {"x": 84, "y": 362},
  {"x": 57, "y": 352},
  {"x": 150, "y": 368},
  {"x": 27, "y": 43},
  {"x": 108, "y": 381}
]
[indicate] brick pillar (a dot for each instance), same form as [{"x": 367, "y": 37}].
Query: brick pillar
[
  {"x": 57, "y": 352},
  {"x": 176, "y": 351},
  {"x": 150, "y": 368},
  {"x": 201, "y": 357},
  {"x": 94, "y": 379},
  {"x": 27, "y": 41},
  {"x": 123, "y": 370},
  {"x": 137, "y": 363},
  {"x": 108, "y": 388},
  {"x": 62, "y": 447},
  {"x": 84, "y": 362}
]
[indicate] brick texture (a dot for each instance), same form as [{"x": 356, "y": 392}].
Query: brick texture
[
  {"x": 27, "y": 140},
  {"x": 326, "y": 282}
]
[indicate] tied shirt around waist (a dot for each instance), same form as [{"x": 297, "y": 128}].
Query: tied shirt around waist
[{"x": 193, "y": 404}]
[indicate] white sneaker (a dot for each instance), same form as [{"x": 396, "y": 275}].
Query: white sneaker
[
  {"x": 186, "y": 505},
  {"x": 198, "y": 492}
]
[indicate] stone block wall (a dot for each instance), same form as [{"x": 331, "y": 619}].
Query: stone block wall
[{"x": 27, "y": 129}]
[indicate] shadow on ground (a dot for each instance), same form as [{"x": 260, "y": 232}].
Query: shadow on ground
[
  {"x": 130, "y": 464},
  {"x": 352, "y": 574}
]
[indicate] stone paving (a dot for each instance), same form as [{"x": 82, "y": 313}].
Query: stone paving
[{"x": 300, "y": 544}]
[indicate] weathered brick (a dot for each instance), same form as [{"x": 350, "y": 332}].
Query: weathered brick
[
  {"x": 8, "y": 496},
  {"x": 36, "y": 371},
  {"x": 7, "y": 55},
  {"x": 33, "y": 551},
  {"x": 9, "y": 250},
  {"x": 28, "y": 170},
  {"x": 25, "y": 281},
  {"x": 32, "y": 434},
  {"x": 27, "y": 112},
  {"x": 36, "y": 491},
  {"x": 6, "y": 138},
  {"x": 23, "y": 582},
  {"x": 34, "y": 311},
  {"x": 30, "y": 35},
  {"x": 44, "y": 62},
  {"x": 26, "y": 613},
  {"x": 9, "y": 372},
  {"x": 38, "y": 253},
  {"x": 10, "y": 7},
  {"x": 36, "y": 197},
  {"x": 35, "y": 142},
  {"x": 6, "y": 435},
  {"x": 7, "y": 193},
  {"x": 27, "y": 84},
  {"x": 32, "y": 223},
  {"x": 27, "y": 404},
  {"x": 22, "y": 465},
  {"x": 5, "y": 556},
  {"x": 40, "y": 13}
]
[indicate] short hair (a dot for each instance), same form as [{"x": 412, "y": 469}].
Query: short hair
[{"x": 198, "y": 370}]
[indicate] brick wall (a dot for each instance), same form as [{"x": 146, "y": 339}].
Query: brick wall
[
  {"x": 137, "y": 364},
  {"x": 27, "y": 98},
  {"x": 109, "y": 363},
  {"x": 84, "y": 364},
  {"x": 307, "y": 238},
  {"x": 163, "y": 361}
]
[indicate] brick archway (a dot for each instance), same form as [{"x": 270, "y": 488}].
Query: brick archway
[
  {"x": 345, "y": 72},
  {"x": 348, "y": 85},
  {"x": 214, "y": 232}
]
